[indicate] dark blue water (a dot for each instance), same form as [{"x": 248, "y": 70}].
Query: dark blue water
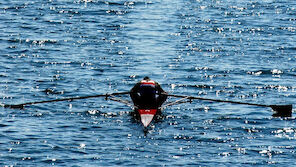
[{"x": 221, "y": 49}]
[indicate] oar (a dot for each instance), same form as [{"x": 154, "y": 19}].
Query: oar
[
  {"x": 280, "y": 110},
  {"x": 21, "y": 106}
]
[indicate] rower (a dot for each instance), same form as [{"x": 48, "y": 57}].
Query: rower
[{"x": 148, "y": 94}]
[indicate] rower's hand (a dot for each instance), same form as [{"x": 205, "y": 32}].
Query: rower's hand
[{"x": 164, "y": 93}]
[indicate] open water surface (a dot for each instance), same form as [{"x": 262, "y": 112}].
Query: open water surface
[{"x": 242, "y": 50}]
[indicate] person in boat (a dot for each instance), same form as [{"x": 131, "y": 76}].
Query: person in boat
[{"x": 148, "y": 94}]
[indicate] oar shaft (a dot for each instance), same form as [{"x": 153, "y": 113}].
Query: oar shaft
[
  {"x": 64, "y": 99},
  {"x": 218, "y": 100}
]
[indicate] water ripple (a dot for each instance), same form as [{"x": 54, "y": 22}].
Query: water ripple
[{"x": 234, "y": 50}]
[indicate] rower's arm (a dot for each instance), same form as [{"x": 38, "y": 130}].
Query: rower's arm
[
  {"x": 159, "y": 89},
  {"x": 135, "y": 88}
]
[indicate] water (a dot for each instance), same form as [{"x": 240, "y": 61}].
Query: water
[{"x": 222, "y": 49}]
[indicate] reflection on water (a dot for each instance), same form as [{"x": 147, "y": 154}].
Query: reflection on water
[{"x": 235, "y": 50}]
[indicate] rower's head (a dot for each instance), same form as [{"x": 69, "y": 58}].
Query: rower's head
[{"x": 146, "y": 78}]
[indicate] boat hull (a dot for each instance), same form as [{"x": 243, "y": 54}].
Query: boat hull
[{"x": 146, "y": 116}]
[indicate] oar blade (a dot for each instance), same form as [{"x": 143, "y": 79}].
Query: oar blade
[
  {"x": 17, "y": 106},
  {"x": 282, "y": 110}
]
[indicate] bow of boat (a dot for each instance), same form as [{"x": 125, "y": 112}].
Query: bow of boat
[{"x": 147, "y": 115}]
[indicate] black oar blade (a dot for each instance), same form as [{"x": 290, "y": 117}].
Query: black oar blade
[
  {"x": 18, "y": 106},
  {"x": 282, "y": 110}
]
